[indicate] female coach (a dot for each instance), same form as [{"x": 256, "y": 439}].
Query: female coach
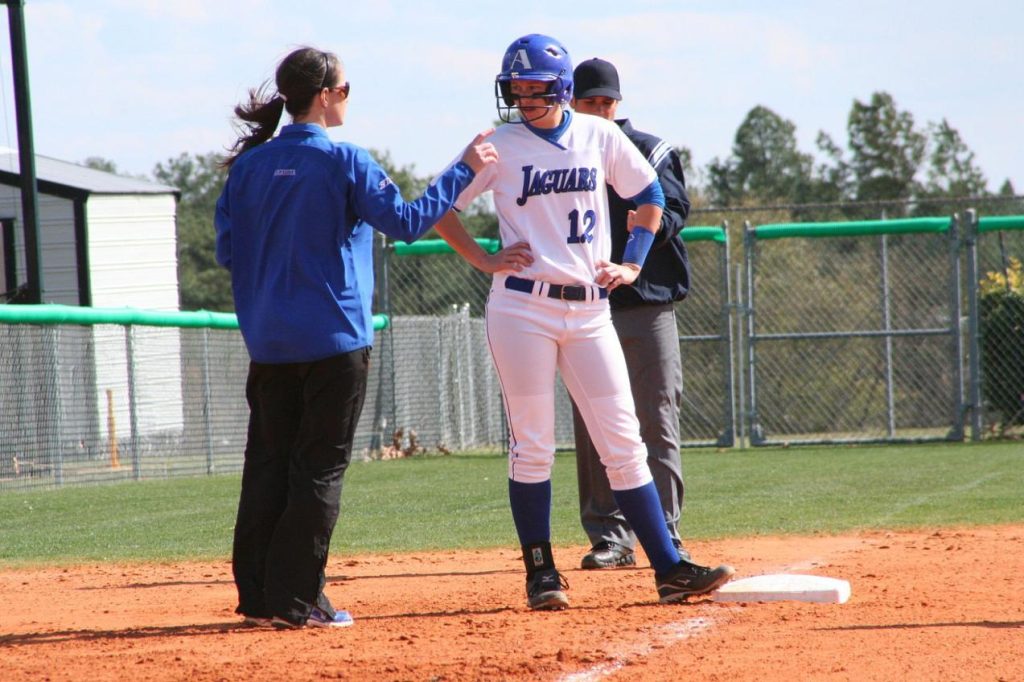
[{"x": 294, "y": 228}]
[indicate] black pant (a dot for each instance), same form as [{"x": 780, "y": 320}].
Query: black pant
[{"x": 302, "y": 422}]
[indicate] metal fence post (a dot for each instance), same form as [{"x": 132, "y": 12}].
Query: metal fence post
[
  {"x": 207, "y": 401},
  {"x": 54, "y": 433},
  {"x": 754, "y": 430},
  {"x": 970, "y": 240},
  {"x": 133, "y": 413},
  {"x": 728, "y": 436},
  {"x": 467, "y": 384},
  {"x": 443, "y": 370},
  {"x": 741, "y": 389},
  {"x": 890, "y": 400},
  {"x": 956, "y": 342},
  {"x": 382, "y": 415}
]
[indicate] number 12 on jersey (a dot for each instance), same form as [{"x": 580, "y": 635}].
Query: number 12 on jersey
[{"x": 589, "y": 220}]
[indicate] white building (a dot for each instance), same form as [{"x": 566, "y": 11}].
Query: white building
[{"x": 104, "y": 240}]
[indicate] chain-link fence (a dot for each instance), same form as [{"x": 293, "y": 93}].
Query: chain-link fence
[
  {"x": 449, "y": 354},
  {"x": 861, "y": 331},
  {"x": 994, "y": 252},
  {"x": 852, "y": 331},
  {"x": 104, "y": 402},
  {"x": 989, "y": 382},
  {"x": 93, "y": 396},
  {"x": 707, "y": 414}
]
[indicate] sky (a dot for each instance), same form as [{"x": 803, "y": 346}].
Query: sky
[{"x": 139, "y": 82}]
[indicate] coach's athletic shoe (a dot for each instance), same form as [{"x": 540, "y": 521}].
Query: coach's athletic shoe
[
  {"x": 545, "y": 591},
  {"x": 256, "y": 621},
  {"x": 608, "y": 555},
  {"x": 689, "y": 579},
  {"x": 317, "y": 619}
]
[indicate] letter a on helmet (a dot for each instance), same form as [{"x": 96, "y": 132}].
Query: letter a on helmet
[{"x": 534, "y": 57}]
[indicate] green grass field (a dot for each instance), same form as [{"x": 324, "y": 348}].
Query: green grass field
[{"x": 460, "y": 501}]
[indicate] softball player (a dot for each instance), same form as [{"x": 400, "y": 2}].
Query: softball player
[{"x": 548, "y": 306}]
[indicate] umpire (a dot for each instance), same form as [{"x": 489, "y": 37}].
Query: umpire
[{"x": 644, "y": 318}]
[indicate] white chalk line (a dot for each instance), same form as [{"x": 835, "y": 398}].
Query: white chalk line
[
  {"x": 662, "y": 636},
  {"x": 655, "y": 638},
  {"x": 671, "y": 633},
  {"x": 922, "y": 499}
]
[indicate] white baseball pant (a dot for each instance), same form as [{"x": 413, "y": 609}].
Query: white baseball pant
[{"x": 531, "y": 335}]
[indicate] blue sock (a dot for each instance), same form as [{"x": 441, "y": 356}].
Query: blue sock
[
  {"x": 642, "y": 509},
  {"x": 531, "y": 510}
]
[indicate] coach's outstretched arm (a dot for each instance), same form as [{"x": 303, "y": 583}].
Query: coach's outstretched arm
[
  {"x": 381, "y": 203},
  {"x": 514, "y": 258}
]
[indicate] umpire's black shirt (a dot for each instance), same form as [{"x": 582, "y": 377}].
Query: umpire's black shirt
[{"x": 665, "y": 276}]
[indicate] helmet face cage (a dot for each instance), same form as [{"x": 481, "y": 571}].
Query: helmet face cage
[{"x": 535, "y": 58}]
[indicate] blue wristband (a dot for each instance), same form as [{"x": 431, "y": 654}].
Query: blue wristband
[{"x": 637, "y": 246}]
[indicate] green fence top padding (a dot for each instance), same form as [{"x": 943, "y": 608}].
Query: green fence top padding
[
  {"x": 857, "y": 228},
  {"x": 429, "y": 247},
  {"x": 702, "y": 233},
  {"x": 51, "y": 313},
  {"x": 996, "y": 223},
  {"x": 65, "y": 314}
]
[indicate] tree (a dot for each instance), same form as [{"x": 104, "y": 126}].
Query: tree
[
  {"x": 886, "y": 149},
  {"x": 108, "y": 166},
  {"x": 765, "y": 164},
  {"x": 952, "y": 171},
  {"x": 99, "y": 163},
  {"x": 203, "y": 284},
  {"x": 1002, "y": 343},
  {"x": 409, "y": 184}
]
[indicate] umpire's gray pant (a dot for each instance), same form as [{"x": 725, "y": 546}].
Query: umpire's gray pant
[{"x": 650, "y": 342}]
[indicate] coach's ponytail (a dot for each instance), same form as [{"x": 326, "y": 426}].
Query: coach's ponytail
[{"x": 300, "y": 77}]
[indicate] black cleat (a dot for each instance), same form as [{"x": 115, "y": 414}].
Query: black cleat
[
  {"x": 689, "y": 579},
  {"x": 608, "y": 555},
  {"x": 545, "y": 591}
]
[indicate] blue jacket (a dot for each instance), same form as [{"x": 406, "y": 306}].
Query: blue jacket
[
  {"x": 665, "y": 276},
  {"x": 294, "y": 228}
]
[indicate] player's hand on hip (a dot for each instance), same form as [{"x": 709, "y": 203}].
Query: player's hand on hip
[
  {"x": 479, "y": 153},
  {"x": 611, "y": 275},
  {"x": 510, "y": 259}
]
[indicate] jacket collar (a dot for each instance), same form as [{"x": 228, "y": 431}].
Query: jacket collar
[{"x": 303, "y": 129}]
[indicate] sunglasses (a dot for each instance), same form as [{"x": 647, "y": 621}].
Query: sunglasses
[{"x": 342, "y": 89}]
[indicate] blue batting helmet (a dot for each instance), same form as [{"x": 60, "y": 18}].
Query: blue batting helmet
[{"x": 534, "y": 57}]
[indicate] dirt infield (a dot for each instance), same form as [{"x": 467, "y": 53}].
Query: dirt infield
[{"x": 926, "y": 605}]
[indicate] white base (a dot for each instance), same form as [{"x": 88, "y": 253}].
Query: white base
[{"x": 785, "y": 587}]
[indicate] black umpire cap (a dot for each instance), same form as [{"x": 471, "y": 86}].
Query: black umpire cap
[{"x": 596, "y": 78}]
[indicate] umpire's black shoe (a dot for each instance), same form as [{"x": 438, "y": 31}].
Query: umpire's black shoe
[
  {"x": 684, "y": 554},
  {"x": 545, "y": 591},
  {"x": 689, "y": 579},
  {"x": 608, "y": 555}
]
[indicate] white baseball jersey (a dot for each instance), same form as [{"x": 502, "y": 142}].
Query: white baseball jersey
[{"x": 551, "y": 194}]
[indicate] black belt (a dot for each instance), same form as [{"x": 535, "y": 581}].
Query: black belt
[{"x": 563, "y": 292}]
